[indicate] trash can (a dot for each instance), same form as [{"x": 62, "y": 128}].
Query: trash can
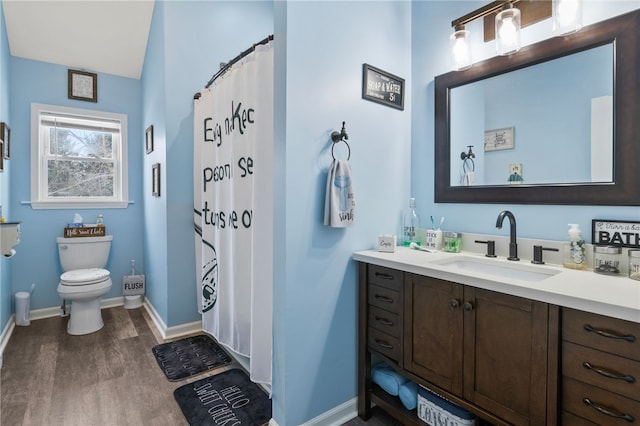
[{"x": 23, "y": 300}]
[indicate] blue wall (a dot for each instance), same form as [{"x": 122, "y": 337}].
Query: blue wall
[
  {"x": 5, "y": 179},
  {"x": 320, "y": 51},
  {"x": 37, "y": 260}
]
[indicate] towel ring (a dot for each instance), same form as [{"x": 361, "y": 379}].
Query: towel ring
[
  {"x": 466, "y": 167},
  {"x": 340, "y": 137}
]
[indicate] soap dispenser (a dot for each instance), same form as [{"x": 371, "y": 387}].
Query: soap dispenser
[{"x": 574, "y": 250}]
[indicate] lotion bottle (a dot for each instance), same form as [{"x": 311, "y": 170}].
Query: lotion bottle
[{"x": 574, "y": 250}]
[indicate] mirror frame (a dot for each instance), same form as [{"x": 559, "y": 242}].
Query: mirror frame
[{"x": 624, "y": 32}]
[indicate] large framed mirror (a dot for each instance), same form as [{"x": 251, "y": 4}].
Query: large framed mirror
[{"x": 556, "y": 123}]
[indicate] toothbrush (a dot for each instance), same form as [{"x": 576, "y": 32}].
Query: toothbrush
[
  {"x": 417, "y": 247},
  {"x": 441, "y": 222},
  {"x": 433, "y": 223}
]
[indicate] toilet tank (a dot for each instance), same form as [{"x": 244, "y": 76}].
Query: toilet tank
[{"x": 84, "y": 252}]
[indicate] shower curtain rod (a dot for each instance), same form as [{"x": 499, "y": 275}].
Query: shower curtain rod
[{"x": 228, "y": 65}]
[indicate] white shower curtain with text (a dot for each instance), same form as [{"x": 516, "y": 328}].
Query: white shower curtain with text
[{"x": 233, "y": 208}]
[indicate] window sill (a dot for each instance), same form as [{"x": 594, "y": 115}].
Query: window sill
[{"x": 67, "y": 205}]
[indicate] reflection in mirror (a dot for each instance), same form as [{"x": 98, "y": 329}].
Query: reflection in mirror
[
  {"x": 537, "y": 125},
  {"x": 535, "y": 153}
]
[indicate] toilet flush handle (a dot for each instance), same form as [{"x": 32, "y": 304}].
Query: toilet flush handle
[{"x": 64, "y": 247}]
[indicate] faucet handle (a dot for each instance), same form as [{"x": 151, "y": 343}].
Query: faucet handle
[
  {"x": 491, "y": 247},
  {"x": 537, "y": 254}
]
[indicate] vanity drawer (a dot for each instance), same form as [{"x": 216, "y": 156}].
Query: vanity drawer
[
  {"x": 387, "y": 345},
  {"x": 610, "y": 372},
  {"x": 569, "y": 419},
  {"x": 385, "y": 321},
  {"x": 603, "y": 407},
  {"x": 600, "y": 332},
  {"x": 385, "y": 277},
  {"x": 385, "y": 298}
]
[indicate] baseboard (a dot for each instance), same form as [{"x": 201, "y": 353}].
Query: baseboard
[
  {"x": 55, "y": 311},
  {"x": 170, "y": 332},
  {"x": 6, "y": 334},
  {"x": 336, "y": 416}
]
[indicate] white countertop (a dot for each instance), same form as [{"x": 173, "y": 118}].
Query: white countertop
[{"x": 614, "y": 296}]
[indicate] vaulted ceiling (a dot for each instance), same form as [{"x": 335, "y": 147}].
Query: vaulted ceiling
[{"x": 106, "y": 36}]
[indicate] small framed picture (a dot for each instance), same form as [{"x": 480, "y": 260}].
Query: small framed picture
[
  {"x": 5, "y": 136},
  {"x": 83, "y": 85},
  {"x": 498, "y": 139},
  {"x": 148, "y": 139},
  {"x": 155, "y": 179}
]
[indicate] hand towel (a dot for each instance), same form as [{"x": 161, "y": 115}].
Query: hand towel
[
  {"x": 339, "y": 207},
  {"x": 468, "y": 179}
]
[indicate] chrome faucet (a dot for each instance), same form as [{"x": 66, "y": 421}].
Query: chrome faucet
[{"x": 513, "y": 245}]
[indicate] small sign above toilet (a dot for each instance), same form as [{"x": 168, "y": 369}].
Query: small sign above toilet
[{"x": 86, "y": 231}]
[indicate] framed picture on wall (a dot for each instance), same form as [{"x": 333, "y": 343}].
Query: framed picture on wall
[
  {"x": 5, "y": 135},
  {"x": 155, "y": 180},
  {"x": 1, "y": 157},
  {"x": 148, "y": 139},
  {"x": 82, "y": 85}
]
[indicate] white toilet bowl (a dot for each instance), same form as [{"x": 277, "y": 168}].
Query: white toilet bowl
[{"x": 84, "y": 288}]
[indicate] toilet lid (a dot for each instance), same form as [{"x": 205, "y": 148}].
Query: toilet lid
[{"x": 84, "y": 276}]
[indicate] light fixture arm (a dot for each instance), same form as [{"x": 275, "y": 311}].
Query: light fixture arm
[{"x": 483, "y": 11}]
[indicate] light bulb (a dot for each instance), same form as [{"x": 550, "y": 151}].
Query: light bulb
[
  {"x": 567, "y": 16},
  {"x": 508, "y": 30},
  {"x": 460, "y": 51}
]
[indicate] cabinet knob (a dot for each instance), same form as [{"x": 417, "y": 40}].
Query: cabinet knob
[
  {"x": 467, "y": 306},
  {"x": 454, "y": 303}
]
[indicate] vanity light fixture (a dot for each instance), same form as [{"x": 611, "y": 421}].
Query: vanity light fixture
[
  {"x": 567, "y": 16},
  {"x": 510, "y": 16},
  {"x": 508, "y": 30}
]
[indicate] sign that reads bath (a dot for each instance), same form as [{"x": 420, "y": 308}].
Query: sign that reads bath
[
  {"x": 382, "y": 87},
  {"x": 615, "y": 233}
]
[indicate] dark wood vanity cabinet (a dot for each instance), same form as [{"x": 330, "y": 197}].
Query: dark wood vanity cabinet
[
  {"x": 600, "y": 370},
  {"x": 492, "y": 353},
  {"x": 491, "y": 349}
]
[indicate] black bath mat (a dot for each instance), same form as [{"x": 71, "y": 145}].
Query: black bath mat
[
  {"x": 227, "y": 398},
  {"x": 190, "y": 356}
]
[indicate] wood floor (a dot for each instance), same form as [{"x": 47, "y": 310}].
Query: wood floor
[{"x": 108, "y": 378}]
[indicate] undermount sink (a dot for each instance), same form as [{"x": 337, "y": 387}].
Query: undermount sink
[{"x": 497, "y": 268}]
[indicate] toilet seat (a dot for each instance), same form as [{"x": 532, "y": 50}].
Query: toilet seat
[{"x": 80, "y": 277}]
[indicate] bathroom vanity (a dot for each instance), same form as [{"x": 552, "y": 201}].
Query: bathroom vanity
[{"x": 512, "y": 342}]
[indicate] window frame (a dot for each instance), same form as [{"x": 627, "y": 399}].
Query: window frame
[{"x": 39, "y": 169}]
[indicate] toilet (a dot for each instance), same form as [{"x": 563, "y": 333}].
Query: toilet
[{"x": 84, "y": 280}]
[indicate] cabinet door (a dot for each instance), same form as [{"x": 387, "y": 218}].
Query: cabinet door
[
  {"x": 433, "y": 331},
  {"x": 505, "y": 355}
]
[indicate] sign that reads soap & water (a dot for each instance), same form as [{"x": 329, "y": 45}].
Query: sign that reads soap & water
[{"x": 382, "y": 87}]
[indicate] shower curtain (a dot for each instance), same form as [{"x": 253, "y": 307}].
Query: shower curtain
[{"x": 233, "y": 208}]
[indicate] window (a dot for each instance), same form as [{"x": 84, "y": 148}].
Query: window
[{"x": 78, "y": 158}]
